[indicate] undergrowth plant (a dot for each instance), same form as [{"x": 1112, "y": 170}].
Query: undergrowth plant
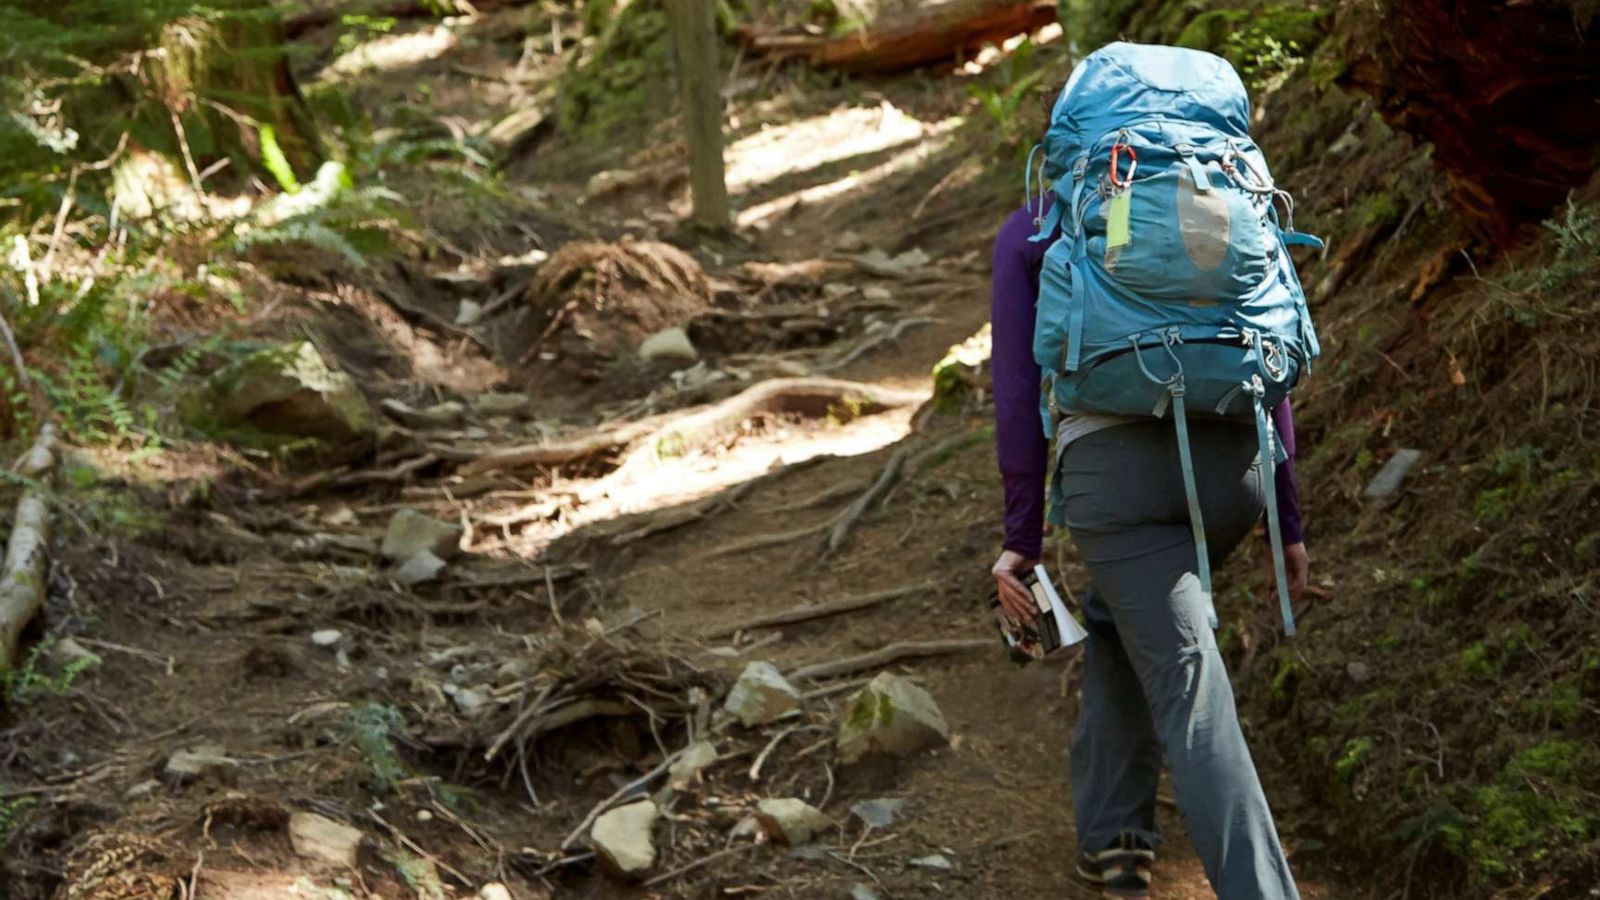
[{"x": 31, "y": 680}]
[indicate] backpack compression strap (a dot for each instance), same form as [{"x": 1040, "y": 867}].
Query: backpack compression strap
[
  {"x": 1191, "y": 492},
  {"x": 1265, "y": 438}
]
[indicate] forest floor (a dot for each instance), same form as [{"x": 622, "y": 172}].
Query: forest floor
[{"x": 200, "y": 583}]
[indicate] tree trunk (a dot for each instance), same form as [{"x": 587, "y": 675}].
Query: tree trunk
[
  {"x": 1504, "y": 90},
  {"x": 700, "y": 74},
  {"x": 920, "y": 37}
]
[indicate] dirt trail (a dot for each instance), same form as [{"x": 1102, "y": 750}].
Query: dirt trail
[{"x": 205, "y": 626}]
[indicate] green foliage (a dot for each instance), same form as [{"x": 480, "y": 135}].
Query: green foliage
[
  {"x": 272, "y": 157},
  {"x": 373, "y": 727},
  {"x": 1355, "y": 751},
  {"x": 1009, "y": 98},
  {"x": 13, "y": 810},
  {"x": 1264, "y": 44},
  {"x": 1577, "y": 254},
  {"x": 31, "y": 680},
  {"x": 626, "y": 76},
  {"x": 1542, "y": 801}
]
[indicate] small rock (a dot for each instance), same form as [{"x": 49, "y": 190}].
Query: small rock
[
  {"x": 341, "y": 517},
  {"x": 859, "y": 891},
  {"x": 327, "y": 637},
  {"x": 890, "y": 716},
  {"x": 288, "y": 391},
  {"x": 935, "y": 861},
  {"x": 669, "y": 343},
  {"x": 1387, "y": 482},
  {"x": 877, "y": 293},
  {"x": 849, "y": 241},
  {"x": 186, "y": 766},
  {"x": 420, "y": 568},
  {"x": 494, "y": 890},
  {"x": 1358, "y": 672},
  {"x": 879, "y": 813},
  {"x": 411, "y": 532},
  {"x": 469, "y": 313},
  {"x": 67, "y": 655},
  {"x": 319, "y": 837},
  {"x": 471, "y": 701},
  {"x": 621, "y": 838},
  {"x": 499, "y": 404},
  {"x": 688, "y": 767},
  {"x": 761, "y": 695},
  {"x": 142, "y": 789},
  {"x": 792, "y": 822},
  {"x": 834, "y": 290},
  {"x": 440, "y": 415}
]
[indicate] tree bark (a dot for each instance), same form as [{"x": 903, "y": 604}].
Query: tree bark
[
  {"x": 22, "y": 584},
  {"x": 699, "y": 75},
  {"x": 917, "y": 38}
]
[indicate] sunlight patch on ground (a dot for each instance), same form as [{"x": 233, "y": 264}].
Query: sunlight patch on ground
[
  {"x": 391, "y": 52},
  {"x": 759, "y": 216},
  {"x": 778, "y": 150},
  {"x": 702, "y": 472}
]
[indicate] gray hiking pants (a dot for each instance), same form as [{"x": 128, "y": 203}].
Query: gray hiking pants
[{"x": 1154, "y": 682}]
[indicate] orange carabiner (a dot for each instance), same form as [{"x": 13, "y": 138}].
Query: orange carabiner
[{"x": 1117, "y": 181}]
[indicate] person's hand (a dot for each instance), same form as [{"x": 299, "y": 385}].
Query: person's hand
[
  {"x": 1014, "y": 597},
  {"x": 1296, "y": 565}
]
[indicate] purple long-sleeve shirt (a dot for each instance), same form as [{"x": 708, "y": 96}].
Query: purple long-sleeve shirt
[{"x": 1020, "y": 442}]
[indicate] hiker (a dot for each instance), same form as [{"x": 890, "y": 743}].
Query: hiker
[{"x": 1153, "y": 502}]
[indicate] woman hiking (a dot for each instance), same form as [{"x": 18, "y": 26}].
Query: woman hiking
[{"x": 1155, "y": 686}]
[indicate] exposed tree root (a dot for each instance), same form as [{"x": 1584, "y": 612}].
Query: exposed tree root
[
  {"x": 883, "y": 656},
  {"x": 22, "y": 585},
  {"x": 821, "y": 610},
  {"x": 675, "y": 433}
]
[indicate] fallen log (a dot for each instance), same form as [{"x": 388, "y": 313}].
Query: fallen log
[
  {"x": 22, "y": 584},
  {"x": 918, "y": 37}
]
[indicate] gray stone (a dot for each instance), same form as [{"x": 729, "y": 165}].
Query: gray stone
[
  {"x": 469, "y": 313},
  {"x": 423, "y": 567},
  {"x": 935, "y": 861},
  {"x": 1387, "y": 482},
  {"x": 1358, "y": 672},
  {"x": 186, "y": 766},
  {"x": 440, "y": 415},
  {"x": 792, "y": 822},
  {"x": 321, "y": 838},
  {"x": 494, "y": 890},
  {"x": 470, "y": 701},
  {"x": 879, "y": 813},
  {"x": 327, "y": 637},
  {"x": 411, "y": 533},
  {"x": 288, "y": 391},
  {"x": 877, "y": 293},
  {"x": 500, "y": 404},
  {"x": 860, "y": 891},
  {"x": 622, "y": 839},
  {"x": 669, "y": 343},
  {"x": 142, "y": 789},
  {"x": 761, "y": 695},
  {"x": 890, "y": 716},
  {"x": 688, "y": 767}
]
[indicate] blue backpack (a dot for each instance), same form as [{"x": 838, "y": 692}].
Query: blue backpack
[{"x": 1170, "y": 287}]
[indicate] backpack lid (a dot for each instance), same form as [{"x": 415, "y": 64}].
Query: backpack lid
[{"x": 1122, "y": 83}]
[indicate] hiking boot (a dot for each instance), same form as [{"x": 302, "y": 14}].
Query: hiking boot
[{"x": 1122, "y": 869}]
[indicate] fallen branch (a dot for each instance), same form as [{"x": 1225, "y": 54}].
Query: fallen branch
[
  {"x": 883, "y": 656},
  {"x": 625, "y": 790},
  {"x": 22, "y": 585},
  {"x": 820, "y": 610}
]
